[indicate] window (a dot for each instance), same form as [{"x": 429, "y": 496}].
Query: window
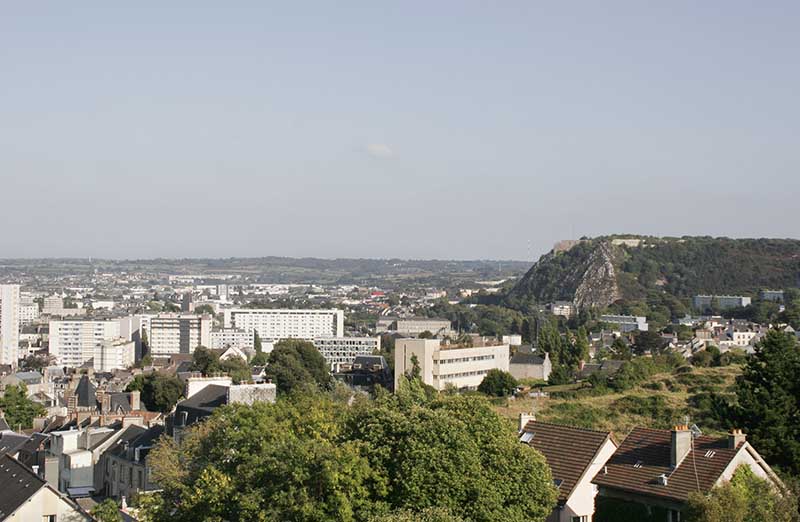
[
  {"x": 582, "y": 518},
  {"x": 49, "y": 518}
]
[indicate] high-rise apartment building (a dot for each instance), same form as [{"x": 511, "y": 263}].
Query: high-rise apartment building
[
  {"x": 73, "y": 343},
  {"x": 171, "y": 334},
  {"x": 277, "y": 324},
  {"x": 9, "y": 324},
  {"x": 344, "y": 350}
]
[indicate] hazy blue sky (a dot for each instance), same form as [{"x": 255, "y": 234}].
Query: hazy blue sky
[{"x": 374, "y": 129}]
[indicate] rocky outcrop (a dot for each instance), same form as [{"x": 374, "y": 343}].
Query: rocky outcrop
[{"x": 598, "y": 285}]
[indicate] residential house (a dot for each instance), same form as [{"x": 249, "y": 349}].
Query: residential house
[
  {"x": 26, "y": 497},
  {"x": 125, "y": 470},
  {"x": 575, "y": 456},
  {"x": 658, "y": 469},
  {"x": 526, "y": 364}
]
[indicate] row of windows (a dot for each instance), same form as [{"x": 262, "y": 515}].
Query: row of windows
[
  {"x": 464, "y": 359},
  {"x": 461, "y": 374}
]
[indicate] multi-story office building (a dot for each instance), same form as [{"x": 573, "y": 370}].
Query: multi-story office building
[
  {"x": 627, "y": 323},
  {"x": 171, "y": 334},
  {"x": 344, "y": 350},
  {"x": 448, "y": 365},
  {"x": 775, "y": 296},
  {"x": 114, "y": 354},
  {"x": 273, "y": 325},
  {"x": 232, "y": 338},
  {"x": 9, "y": 324},
  {"x": 73, "y": 343},
  {"x": 413, "y": 326}
]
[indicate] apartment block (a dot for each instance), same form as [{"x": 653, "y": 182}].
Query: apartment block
[
  {"x": 277, "y": 324},
  {"x": 232, "y": 338},
  {"x": 444, "y": 365},
  {"x": 701, "y": 302},
  {"x": 627, "y": 323},
  {"x": 413, "y": 326},
  {"x": 344, "y": 350},
  {"x": 74, "y": 342},
  {"x": 114, "y": 354},
  {"x": 9, "y": 324},
  {"x": 171, "y": 334}
]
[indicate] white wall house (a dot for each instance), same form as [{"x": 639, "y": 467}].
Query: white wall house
[{"x": 448, "y": 365}]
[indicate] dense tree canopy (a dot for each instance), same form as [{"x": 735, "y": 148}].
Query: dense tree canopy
[
  {"x": 208, "y": 362},
  {"x": 295, "y": 364},
  {"x": 746, "y": 498},
  {"x": 768, "y": 395},
  {"x": 497, "y": 383},
  {"x": 397, "y": 458},
  {"x": 159, "y": 392},
  {"x": 18, "y": 409}
]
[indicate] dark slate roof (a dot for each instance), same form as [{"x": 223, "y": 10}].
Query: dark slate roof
[
  {"x": 526, "y": 358},
  {"x": 370, "y": 360},
  {"x": 27, "y": 452},
  {"x": 18, "y": 484},
  {"x": 86, "y": 392},
  {"x": 651, "y": 449},
  {"x": 10, "y": 442},
  {"x": 120, "y": 401},
  {"x": 569, "y": 451},
  {"x": 200, "y": 405},
  {"x": 128, "y": 436}
]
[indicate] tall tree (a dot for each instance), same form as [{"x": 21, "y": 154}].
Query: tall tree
[
  {"x": 295, "y": 364},
  {"x": 18, "y": 409},
  {"x": 768, "y": 395}
]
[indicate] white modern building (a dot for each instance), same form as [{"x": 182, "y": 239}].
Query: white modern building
[
  {"x": 9, "y": 324},
  {"x": 343, "y": 350},
  {"x": 233, "y": 338},
  {"x": 413, "y": 326},
  {"x": 443, "y": 365},
  {"x": 277, "y": 324},
  {"x": 28, "y": 313},
  {"x": 171, "y": 334},
  {"x": 627, "y": 323},
  {"x": 74, "y": 342},
  {"x": 114, "y": 354},
  {"x": 724, "y": 302}
]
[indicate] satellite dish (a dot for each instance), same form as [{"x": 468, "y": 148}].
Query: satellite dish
[{"x": 696, "y": 432}]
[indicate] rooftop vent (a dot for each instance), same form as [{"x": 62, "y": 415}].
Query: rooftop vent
[
  {"x": 526, "y": 437},
  {"x": 638, "y": 464},
  {"x": 662, "y": 479}
]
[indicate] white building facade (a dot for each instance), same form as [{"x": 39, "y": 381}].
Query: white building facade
[
  {"x": 171, "y": 334},
  {"x": 9, "y": 324},
  {"x": 116, "y": 354},
  {"x": 73, "y": 343},
  {"x": 232, "y": 338},
  {"x": 277, "y": 324},
  {"x": 442, "y": 366},
  {"x": 343, "y": 350}
]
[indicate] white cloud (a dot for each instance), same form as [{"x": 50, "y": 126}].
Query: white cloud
[{"x": 379, "y": 150}]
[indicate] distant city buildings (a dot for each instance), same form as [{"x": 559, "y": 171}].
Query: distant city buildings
[
  {"x": 562, "y": 308},
  {"x": 775, "y": 296},
  {"x": 442, "y": 365},
  {"x": 277, "y": 324},
  {"x": 114, "y": 354},
  {"x": 9, "y": 324}
]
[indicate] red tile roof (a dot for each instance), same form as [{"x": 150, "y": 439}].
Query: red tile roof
[
  {"x": 651, "y": 449},
  {"x": 569, "y": 451}
]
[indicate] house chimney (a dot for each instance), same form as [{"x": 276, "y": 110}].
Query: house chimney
[
  {"x": 681, "y": 444},
  {"x": 736, "y": 438},
  {"x": 524, "y": 418},
  {"x": 135, "y": 401}
]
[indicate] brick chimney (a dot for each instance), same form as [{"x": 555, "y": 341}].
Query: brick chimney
[
  {"x": 736, "y": 438},
  {"x": 681, "y": 444}
]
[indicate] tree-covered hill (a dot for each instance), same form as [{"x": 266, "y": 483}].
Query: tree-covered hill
[{"x": 597, "y": 272}]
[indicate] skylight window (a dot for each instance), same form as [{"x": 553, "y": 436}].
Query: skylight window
[
  {"x": 638, "y": 464},
  {"x": 526, "y": 437}
]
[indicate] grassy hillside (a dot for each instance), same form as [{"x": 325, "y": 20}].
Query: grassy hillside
[{"x": 660, "y": 402}]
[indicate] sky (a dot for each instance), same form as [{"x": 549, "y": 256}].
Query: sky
[{"x": 411, "y": 129}]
